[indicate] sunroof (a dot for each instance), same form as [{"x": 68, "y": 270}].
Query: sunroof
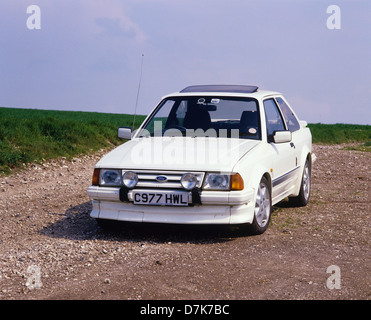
[{"x": 221, "y": 88}]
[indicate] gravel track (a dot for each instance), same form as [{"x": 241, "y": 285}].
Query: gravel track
[{"x": 51, "y": 249}]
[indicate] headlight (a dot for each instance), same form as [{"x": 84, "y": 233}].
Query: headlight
[
  {"x": 188, "y": 181},
  {"x": 109, "y": 177},
  {"x": 130, "y": 179},
  {"x": 214, "y": 181}
]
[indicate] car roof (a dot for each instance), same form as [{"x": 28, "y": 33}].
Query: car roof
[
  {"x": 221, "y": 88},
  {"x": 224, "y": 90}
]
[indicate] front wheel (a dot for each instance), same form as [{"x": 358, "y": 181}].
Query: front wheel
[{"x": 263, "y": 208}]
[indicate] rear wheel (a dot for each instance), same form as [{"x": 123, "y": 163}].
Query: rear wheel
[
  {"x": 303, "y": 198},
  {"x": 263, "y": 208}
]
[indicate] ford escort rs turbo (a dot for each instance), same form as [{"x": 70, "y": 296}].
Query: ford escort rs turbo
[{"x": 209, "y": 154}]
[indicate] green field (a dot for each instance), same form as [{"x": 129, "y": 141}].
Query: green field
[
  {"x": 31, "y": 135},
  {"x": 340, "y": 133}
]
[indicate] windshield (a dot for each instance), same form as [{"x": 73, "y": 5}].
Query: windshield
[{"x": 205, "y": 116}]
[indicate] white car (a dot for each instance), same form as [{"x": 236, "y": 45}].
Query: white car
[{"x": 210, "y": 154}]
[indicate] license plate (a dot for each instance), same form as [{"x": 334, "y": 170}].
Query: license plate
[{"x": 171, "y": 198}]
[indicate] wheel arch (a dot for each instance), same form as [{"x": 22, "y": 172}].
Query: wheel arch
[
  {"x": 306, "y": 156},
  {"x": 269, "y": 179}
]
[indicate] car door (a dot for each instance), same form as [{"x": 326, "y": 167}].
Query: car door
[
  {"x": 293, "y": 125},
  {"x": 284, "y": 155}
]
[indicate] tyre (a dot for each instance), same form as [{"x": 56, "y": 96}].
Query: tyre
[
  {"x": 263, "y": 208},
  {"x": 303, "y": 198}
]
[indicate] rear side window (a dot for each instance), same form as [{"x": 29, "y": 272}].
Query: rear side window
[
  {"x": 291, "y": 121},
  {"x": 273, "y": 118}
]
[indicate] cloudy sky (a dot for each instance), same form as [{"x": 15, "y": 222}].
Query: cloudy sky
[{"x": 87, "y": 55}]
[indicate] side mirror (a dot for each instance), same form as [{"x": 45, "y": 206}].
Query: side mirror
[
  {"x": 125, "y": 133},
  {"x": 282, "y": 136},
  {"x": 303, "y": 123}
]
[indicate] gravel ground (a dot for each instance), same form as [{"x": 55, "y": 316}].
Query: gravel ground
[{"x": 51, "y": 249}]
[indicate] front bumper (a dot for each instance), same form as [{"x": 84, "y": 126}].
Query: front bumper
[{"x": 218, "y": 207}]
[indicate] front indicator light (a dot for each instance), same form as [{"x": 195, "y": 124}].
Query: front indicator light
[
  {"x": 95, "y": 180},
  {"x": 236, "y": 182}
]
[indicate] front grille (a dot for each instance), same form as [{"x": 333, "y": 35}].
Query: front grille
[{"x": 147, "y": 179}]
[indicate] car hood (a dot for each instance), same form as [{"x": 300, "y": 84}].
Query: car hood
[{"x": 178, "y": 153}]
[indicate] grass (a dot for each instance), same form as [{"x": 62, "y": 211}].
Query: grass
[
  {"x": 340, "y": 133},
  {"x": 358, "y": 135},
  {"x": 31, "y": 135},
  {"x": 365, "y": 147}
]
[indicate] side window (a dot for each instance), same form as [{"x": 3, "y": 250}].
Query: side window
[
  {"x": 291, "y": 121},
  {"x": 273, "y": 117}
]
